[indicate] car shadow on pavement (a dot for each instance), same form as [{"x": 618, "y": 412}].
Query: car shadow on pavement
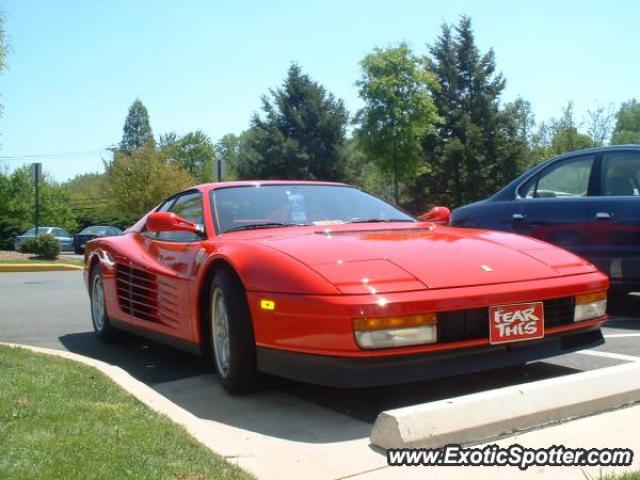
[{"x": 284, "y": 409}]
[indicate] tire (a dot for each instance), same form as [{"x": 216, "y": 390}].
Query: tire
[
  {"x": 232, "y": 345},
  {"x": 78, "y": 251},
  {"x": 99, "y": 318}
]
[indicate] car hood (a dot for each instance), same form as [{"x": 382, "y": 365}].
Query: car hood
[{"x": 424, "y": 257}]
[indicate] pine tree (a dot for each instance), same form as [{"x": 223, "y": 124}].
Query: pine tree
[
  {"x": 136, "y": 131},
  {"x": 300, "y": 135},
  {"x": 463, "y": 160}
]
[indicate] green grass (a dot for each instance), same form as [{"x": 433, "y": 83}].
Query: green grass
[
  {"x": 60, "y": 419},
  {"x": 617, "y": 476},
  {"x": 38, "y": 260}
]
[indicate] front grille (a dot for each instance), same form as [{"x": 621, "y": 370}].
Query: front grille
[{"x": 473, "y": 324}]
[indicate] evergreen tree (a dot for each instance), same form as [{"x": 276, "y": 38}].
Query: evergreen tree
[
  {"x": 463, "y": 157},
  {"x": 300, "y": 135},
  {"x": 136, "y": 131}
]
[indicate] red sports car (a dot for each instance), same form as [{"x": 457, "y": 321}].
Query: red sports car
[{"x": 324, "y": 283}]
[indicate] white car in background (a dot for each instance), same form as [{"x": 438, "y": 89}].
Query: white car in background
[{"x": 64, "y": 237}]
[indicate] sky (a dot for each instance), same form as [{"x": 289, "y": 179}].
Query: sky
[{"x": 74, "y": 67}]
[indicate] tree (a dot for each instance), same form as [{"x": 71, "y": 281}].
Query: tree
[
  {"x": 300, "y": 134},
  {"x": 136, "y": 182},
  {"x": 515, "y": 130},
  {"x": 193, "y": 152},
  {"x": 463, "y": 158},
  {"x": 600, "y": 124},
  {"x": 136, "y": 132},
  {"x": 3, "y": 49},
  {"x": 627, "y": 128},
  {"x": 17, "y": 197},
  {"x": 398, "y": 111}
]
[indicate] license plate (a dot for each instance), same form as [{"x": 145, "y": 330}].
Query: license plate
[{"x": 516, "y": 323}]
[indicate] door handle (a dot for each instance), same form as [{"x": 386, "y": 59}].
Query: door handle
[
  {"x": 603, "y": 216},
  {"x": 517, "y": 217}
]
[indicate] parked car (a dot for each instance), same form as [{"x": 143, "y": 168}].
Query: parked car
[
  {"x": 324, "y": 283},
  {"x": 89, "y": 233},
  {"x": 587, "y": 202},
  {"x": 64, "y": 237}
]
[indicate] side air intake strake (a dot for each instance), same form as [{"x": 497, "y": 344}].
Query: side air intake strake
[{"x": 143, "y": 296}]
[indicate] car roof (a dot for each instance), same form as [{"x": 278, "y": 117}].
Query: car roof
[
  {"x": 608, "y": 148},
  {"x": 509, "y": 189},
  {"x": 253, "y": 183}
]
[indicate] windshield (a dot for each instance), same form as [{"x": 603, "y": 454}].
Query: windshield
[
  {"x": 95, "y": 231},
  {"x": 32, "y": 231},
  {"x": 264, "y": 206}
]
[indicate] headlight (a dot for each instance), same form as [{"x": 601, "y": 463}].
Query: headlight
[
  {"x": 590, "y": 305},
  {"x": 390, "y": 332}
]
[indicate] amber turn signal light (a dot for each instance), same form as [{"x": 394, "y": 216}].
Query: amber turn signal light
[
  {"x": 366, "y": 324},
  {"x": 590, "y": 297}
]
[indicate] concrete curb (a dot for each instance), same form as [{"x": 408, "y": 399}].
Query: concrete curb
[
  {"x": 37, "y": 267},
  {"x": 491, "y": 414}
]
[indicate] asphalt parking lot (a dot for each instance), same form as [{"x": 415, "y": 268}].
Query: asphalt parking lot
[{"x": 51, "y": 309}]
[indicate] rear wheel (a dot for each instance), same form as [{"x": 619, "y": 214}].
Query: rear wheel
[
  {"x": 101, "y": 325},
  {"x": 232, "y": 342}
]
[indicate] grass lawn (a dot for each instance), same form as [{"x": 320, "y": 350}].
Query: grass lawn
[
  {"x": 38, "y": 260},
  {"x": 618, "y": 476},
  {"x": 60, "y": 419}
]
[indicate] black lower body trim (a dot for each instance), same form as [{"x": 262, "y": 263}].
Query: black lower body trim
[
  {"x": 169, "y": 340},
  {"x": 374, "y": 371}
]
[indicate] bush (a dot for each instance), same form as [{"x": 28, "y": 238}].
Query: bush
[
  {"x": 9, "y": 229},
  {"x": 30, "y": 245},
  {"x": 45, "y": 246}
]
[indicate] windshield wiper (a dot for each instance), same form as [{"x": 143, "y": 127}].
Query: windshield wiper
[
  {"x": 380, "y": 220},
  {"x": 255, "y": 226}
]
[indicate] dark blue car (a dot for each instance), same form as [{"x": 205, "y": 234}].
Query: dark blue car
[{"x": 586, "y": 201}]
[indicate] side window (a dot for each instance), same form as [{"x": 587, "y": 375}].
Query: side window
[
  {"x": 564, "y": 179},
  {"x": 189, "y": 207},
  {"x": 59, "y": 232},
  {"x": 621, "y": 174}
]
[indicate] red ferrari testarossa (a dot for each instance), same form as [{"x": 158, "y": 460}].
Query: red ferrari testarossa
[{"x": 324, "y": 283}]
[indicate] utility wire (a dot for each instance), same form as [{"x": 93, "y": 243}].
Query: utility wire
[{"x": 51, "y": 155}]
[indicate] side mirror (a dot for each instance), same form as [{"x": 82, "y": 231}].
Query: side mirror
[
  {"x": 170, "y": 222},
  {"x": 440, "y": 215}
]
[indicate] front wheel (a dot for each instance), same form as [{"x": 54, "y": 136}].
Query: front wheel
[
  {"x": 231, "y": 334},
  {"x": 101, "y": 325}
]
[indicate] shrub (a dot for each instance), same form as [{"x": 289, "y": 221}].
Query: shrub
[
  {"x": 30, "y": 245},
  {"x": 9, "y": 230},
  {"x": 45, "y": 246},
  {"x": 48, "y": 246}
]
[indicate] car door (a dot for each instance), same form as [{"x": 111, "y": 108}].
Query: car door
[
  {"x": 168, "y": 260},
  {"x": 615, "y": 219},
  {"x": 554, "y": 203},
  {"x": 64, "y": 237}
]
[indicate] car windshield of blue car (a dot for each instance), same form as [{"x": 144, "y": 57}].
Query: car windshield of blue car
[
  {"x": 273, "y": 206},
  {"x": 95, "y": 231}
]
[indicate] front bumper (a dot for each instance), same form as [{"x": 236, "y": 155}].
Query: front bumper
[{"x": 374, "y": 371}]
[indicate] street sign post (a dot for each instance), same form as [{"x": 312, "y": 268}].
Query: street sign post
[{"x": 36, "y": 173}]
